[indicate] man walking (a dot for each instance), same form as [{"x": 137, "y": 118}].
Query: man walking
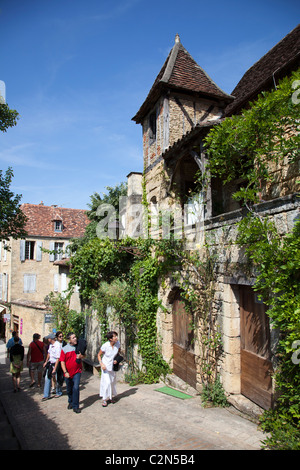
[
  {"x": 72, "y": 368},
  {"x": 35, "y": 359}
]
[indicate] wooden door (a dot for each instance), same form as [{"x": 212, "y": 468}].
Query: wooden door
[
  {"x": 256, "y": 367},
  {"x": 184, "y": 365}
]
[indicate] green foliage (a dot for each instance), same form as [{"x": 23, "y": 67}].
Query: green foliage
[
  {"x": 65, "y": 319},
  {"x": 284, "y": 435},
  {"x": 244, "y": 148},
  {"x": 213, "y": 394},
  {"x": 118, "y": 296},
  {"x": 123, "y": 275},
  {"x": 8, "y": 117},
  {"x": 278, "y": 283},
  {"x": 12, "y": 219},
  {"x": 145, "y": 274},
  {"x": 111, "y": 198}
]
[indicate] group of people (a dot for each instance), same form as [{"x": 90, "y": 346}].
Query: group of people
[{"x": 57, "y": 361}]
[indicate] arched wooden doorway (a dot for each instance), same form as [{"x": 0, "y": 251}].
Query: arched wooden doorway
[{"x": 184, "y": 364}]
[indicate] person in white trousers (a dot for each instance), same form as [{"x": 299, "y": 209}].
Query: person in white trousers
[{"x": 106, "y": 356}]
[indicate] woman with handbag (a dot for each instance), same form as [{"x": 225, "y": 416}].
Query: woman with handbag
[
  {"x": 16, "y": 355},
  {"x": 106, "y": 358}
]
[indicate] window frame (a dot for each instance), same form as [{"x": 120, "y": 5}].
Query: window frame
[
  {"x": 58, "y": 226},
  {"x": 29, "y": 252}
]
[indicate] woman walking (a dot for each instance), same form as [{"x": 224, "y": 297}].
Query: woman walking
[
  {"x": 16, "y": 363},
  {"x": 106, "y": 356}
]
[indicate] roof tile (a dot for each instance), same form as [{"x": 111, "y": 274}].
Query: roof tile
[
  {"x": 181, "y": 72},
  {"x": 40, "y": 221},
  {"x": 275, "y": 64}
]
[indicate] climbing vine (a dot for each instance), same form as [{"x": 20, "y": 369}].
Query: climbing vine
[
  {"x": 123, "y": 276},
  {"x": 64, "y": 318},
  {"x": 253, "y": 148}
]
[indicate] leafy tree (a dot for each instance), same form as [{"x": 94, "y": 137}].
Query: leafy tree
[
  {"x": 12, "y": 219},
  {"x": 64, "y": 318},
  {"x": 111, "y": 198},
  {"x": 8, "y": 117},
  {"x": 251, "y": 145}
]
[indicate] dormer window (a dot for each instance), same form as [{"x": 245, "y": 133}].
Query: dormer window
[{"x": 58, "y": 226}]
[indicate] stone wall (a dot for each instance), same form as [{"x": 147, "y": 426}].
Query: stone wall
[
  {"x": 231, "y": 271},
  {"x": 175, "y": 115}
]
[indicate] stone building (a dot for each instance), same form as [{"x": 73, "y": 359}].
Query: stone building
[
  {"x": 181, "y": 107},
  {"x": 28, "y": 274}
]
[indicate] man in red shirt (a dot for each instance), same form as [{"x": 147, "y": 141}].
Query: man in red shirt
[
  {"x": 72, "y": 370},
  {"x": 35, "y": 358}
]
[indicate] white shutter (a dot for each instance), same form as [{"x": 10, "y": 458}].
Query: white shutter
[
  {"x": 51, "y": 248},
  {"x": 39, "y": 246},
  {"x": 66, "y": 254},
  {"x": 5, "y": 287},
  {"x": 32, "y": 285},
  {"x": 22, "y": 250},
  {"x": 56, "y": 282},
  {"x": 25, "y": 282},
  {"x": 63, "y": 284},
  {"x": 1, "y": 286},
  {"x": 29, "y": 283}
]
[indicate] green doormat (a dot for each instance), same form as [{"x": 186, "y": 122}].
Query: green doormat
[{"x": 174, "y": 393}]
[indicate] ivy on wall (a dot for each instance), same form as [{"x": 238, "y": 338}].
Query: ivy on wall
[
  {"x": 248, "y": 147},
  {"x": 123, "y": 275}
]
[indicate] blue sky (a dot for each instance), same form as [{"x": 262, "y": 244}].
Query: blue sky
[{"x": 77, "y": 72}]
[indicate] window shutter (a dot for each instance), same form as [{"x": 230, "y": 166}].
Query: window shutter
[
  {"x": 5, "y": 287},
  {"x": 22, "y": 250},
  {"x": 166, "y": 124},
  {"x": 29, "y": 283},
  {"x": 55, "y": 282},
  {"x": 51, "y": 248},
  {"x": 39, "y": 246},
  {"x": 66, "y": 254},
  {"x": 25, "y": 281},
  {"x": 0, "y": 286},
  {"x": 32, "y": 285},
  {"x": 63, "y": 284}
]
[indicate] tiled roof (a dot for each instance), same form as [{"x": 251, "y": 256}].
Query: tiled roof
[
  {"x": 182, "y": 73},
  {"x": 275, "y": 64},
  {"x": 40, "y": 221}
]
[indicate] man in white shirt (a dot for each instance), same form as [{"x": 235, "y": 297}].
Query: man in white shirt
[{"x": 51, "y": 364}]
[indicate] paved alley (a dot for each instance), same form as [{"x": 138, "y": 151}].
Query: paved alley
[{"x": 141, "y": 419}]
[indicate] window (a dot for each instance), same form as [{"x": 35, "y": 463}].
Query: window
[
  {"x": 152, "y": 128},
  {"x": 29, "y": 250},
  {"x": 29, "y": 283},
  {"x": 58, "y": 226},
  {"x": 58, "y": 247}
]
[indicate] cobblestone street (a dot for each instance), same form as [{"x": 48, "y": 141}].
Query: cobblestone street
[{"x": 141, "y": 419}]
